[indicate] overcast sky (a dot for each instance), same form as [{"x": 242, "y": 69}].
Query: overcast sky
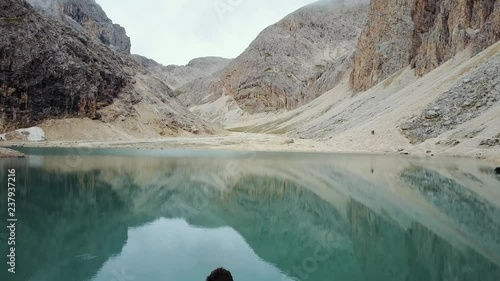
[{"x": 176, "y": 31}]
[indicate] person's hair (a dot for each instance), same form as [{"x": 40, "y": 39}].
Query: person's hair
[{"x": 220, "y": 274}]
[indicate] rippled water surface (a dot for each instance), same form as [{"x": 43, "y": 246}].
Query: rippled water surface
[{"x": 135, "y": 215}]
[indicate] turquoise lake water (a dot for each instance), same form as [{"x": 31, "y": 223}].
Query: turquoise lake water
[{"x": 143, "y": 215}]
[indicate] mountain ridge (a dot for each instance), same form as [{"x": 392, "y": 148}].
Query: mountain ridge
[
  {"x": 86, "y": 16},
  {"x": 52, "y": 71},
  {"x": 178, "y": 75},
  {"x": 289, "y": 63}
]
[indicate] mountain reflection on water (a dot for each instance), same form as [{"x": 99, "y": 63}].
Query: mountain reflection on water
[{"x": 119, "y": 215}]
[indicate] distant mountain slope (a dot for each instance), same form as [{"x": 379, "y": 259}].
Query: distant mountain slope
[
  {"x": 51, "y": 71},
  {"x": 175, "y": 76},
  {"x": 290, "y": 63},
  {"x": 89, "y": 16},
  {"x": 453, "y": 110},
  {"x": 424, "y": 77},
  {"x": 423, "y": 34}
]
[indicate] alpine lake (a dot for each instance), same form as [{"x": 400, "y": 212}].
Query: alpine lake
[{"x": 175, "y": 215}]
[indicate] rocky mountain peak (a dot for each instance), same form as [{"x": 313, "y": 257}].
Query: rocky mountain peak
[
  {"x": 89, "y": 16},
  {"x": 290, "y": 63},
  {"x": 50, "y": 71},
  {"x": 178, "y": 75},
  {"x": 207, "y": 62}
]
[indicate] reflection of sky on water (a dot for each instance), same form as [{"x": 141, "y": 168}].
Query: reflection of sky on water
[{"x": 171, "y": 249}]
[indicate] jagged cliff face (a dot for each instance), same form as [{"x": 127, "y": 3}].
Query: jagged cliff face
[
  {"x": 290, "y": 63},
  {"x": 49, "y": 70},
  {"x": 420, "y": 33},
  {"x": 176, "y": 76},
  {"x": 89, "y": 16}
]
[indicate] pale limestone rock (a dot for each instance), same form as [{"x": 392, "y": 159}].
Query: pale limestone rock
[{"x": 290, "y": 63}]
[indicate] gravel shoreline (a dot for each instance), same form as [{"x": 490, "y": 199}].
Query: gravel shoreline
[
  {"x": 264, "y": 142},
  {"x": 10, "y": 153}
]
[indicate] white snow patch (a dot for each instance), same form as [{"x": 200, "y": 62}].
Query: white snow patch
[{"x": 34, "y": 134}]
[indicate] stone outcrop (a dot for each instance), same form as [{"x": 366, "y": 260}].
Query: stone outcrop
[
  {"x": 49, "y": 70},
  {"x": 421, "y": 33},
  {"x": 34, "y": 134},
  {"x": 290, "y": 63},
  {"x": 175, "y": 75},
  {"x": 470, "y": 97},
  {"x": 89, "y": 16}
]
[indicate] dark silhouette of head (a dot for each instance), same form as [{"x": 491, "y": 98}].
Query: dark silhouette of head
[{"x": 220, "y": 274}]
